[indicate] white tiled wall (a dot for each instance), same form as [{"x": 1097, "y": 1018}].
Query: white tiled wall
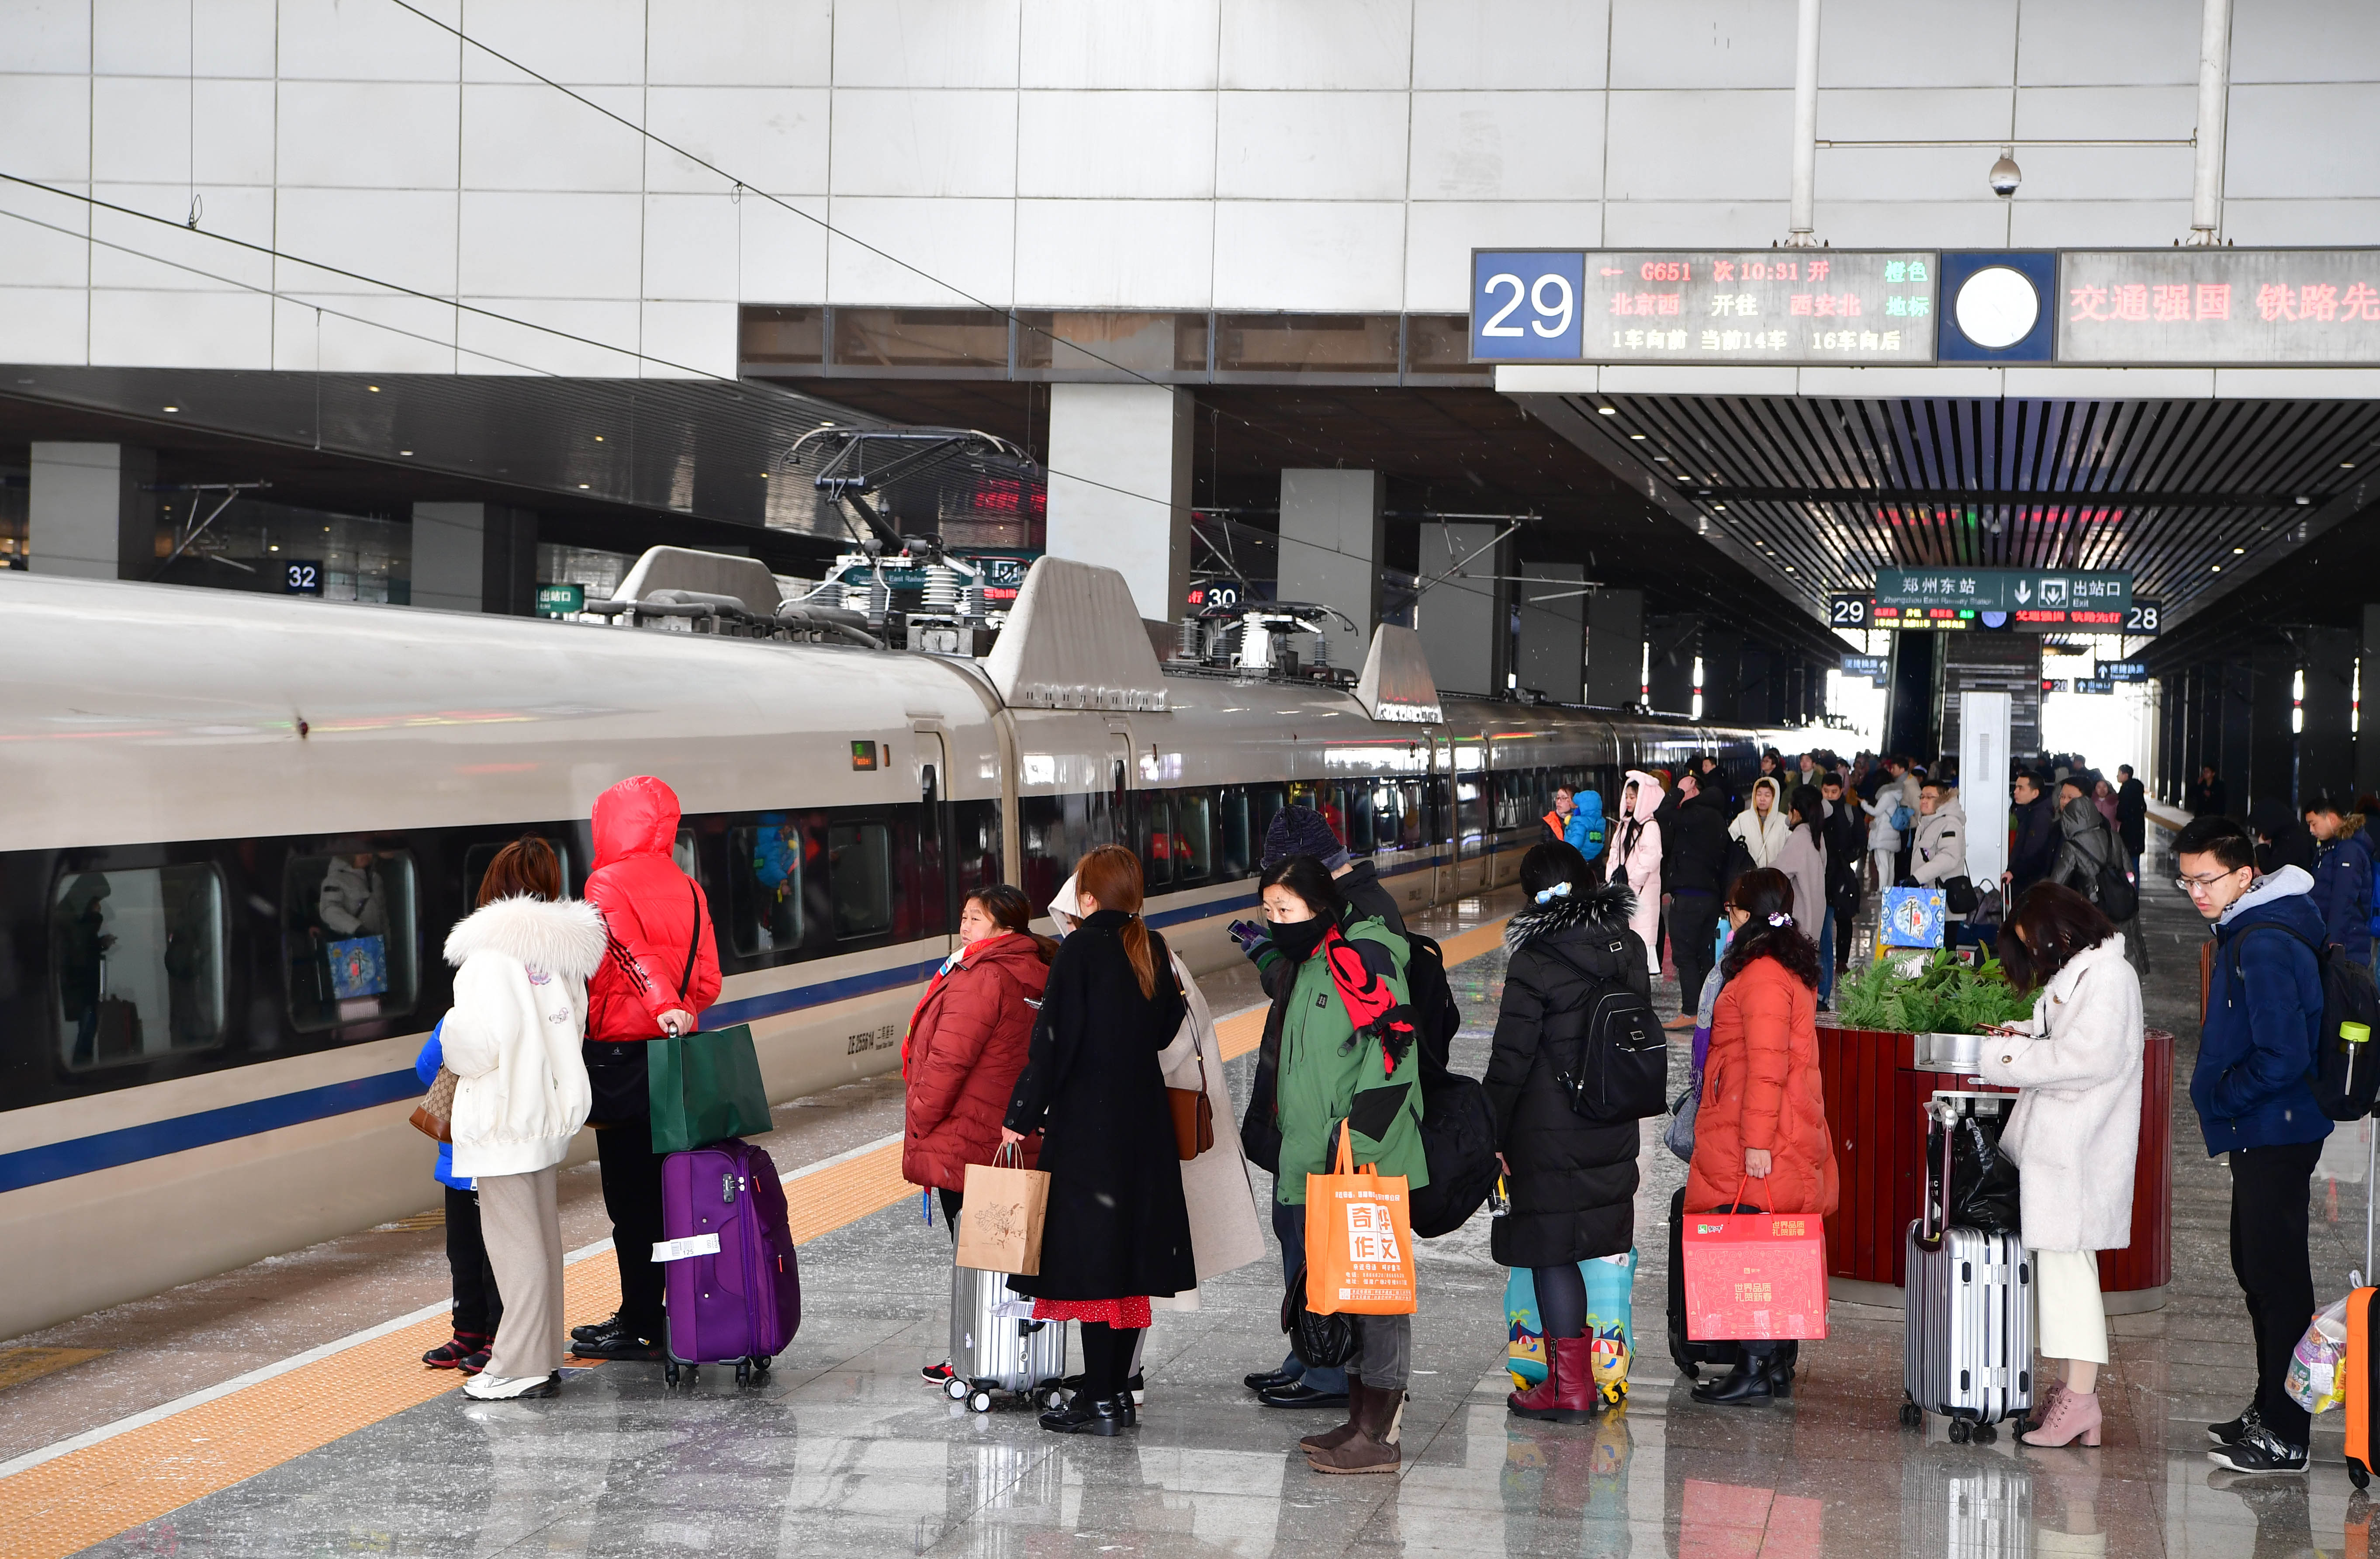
[{"x": 1240, "y": 154}]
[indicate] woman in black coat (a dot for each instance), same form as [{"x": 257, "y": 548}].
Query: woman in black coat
[
  {"x": 1572, "y": 1182},
  {"x": 1117, "y": 1230}
]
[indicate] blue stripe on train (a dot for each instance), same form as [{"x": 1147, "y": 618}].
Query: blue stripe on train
[{"x": 109, "y": 1149}]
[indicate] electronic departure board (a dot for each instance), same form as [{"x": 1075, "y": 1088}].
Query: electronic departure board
[
  {"x": 1697, "y": 305},
  {"x": 2219, "y": 305}
]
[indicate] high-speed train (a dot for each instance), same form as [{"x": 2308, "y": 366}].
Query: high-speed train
[{"x": 237, "y": 828}]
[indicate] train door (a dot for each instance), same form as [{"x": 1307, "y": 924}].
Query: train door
[
  {"x": 1472, "y": 832},
  {"x": 934, "y": 886},
  {"x": 1121, "y": 829}
]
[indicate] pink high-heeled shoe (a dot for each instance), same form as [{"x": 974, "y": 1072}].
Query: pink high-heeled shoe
[
  {"x": 2073, "y": 1415},
  {"x": 2039, "y": 1413}
]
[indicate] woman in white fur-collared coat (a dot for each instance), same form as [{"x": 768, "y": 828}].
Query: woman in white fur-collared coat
[
  {"x": 2074, "y": 1133},
  {"x": 512, "y": 1039}
]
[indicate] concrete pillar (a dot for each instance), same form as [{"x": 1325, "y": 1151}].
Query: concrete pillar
[
  {"x": 475, "y": 557},
  {"x": 1722, "y": 659},
  {"x": 1120, "y": 489},
  {"x": 1332, "y": 534},
  {"x": 2367, "y": 740},
  {"x": 1672, "y": 643},
  {"x": 2234, "y": 707},
  {"x": 88, "y": 513},
  {"x": 2327, "y": 744},
  {"x": 1615, "y": 647},
  {"x": 1465, "y": 619},
  {"x": 1552, "y": 644},
  {"x": 2172, "y": 705}
]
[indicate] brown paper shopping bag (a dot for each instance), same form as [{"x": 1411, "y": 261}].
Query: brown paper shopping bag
[
  {"x": 1000, "y": 1226},
  {"x": 1359, "y": 1256}
]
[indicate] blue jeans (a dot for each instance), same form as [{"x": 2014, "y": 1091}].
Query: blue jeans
[
  {"x": 1289, "y": 1227},
  {"x": 1827, "y": 960}
]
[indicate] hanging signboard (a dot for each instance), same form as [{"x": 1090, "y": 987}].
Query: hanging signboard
[
  {"x": 2093, "y": 684},
  {"x": 2217, "y": 307},
  {"x": 1703, "y": 306},
  {"x": 2124, "y": 671},
  {"x": 2016, "y": 590}
]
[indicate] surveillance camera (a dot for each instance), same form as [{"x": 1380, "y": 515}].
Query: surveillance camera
[{"x": 2005, "y": 176}]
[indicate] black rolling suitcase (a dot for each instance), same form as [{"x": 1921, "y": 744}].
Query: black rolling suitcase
[{"x": 1689, "y": 1355}]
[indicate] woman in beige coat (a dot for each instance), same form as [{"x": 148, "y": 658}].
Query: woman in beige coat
[
  {"x": 1225, "y": 1234},
  {"x": 2074, "y": 1133}
]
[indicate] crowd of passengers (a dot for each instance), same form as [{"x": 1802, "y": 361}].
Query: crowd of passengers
[{"x": 1065, "y": 1048}]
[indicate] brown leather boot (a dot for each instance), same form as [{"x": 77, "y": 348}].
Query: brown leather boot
[
  {"x": 1373, "y": 1446},
  {"x": 1332, "y": 1439}
]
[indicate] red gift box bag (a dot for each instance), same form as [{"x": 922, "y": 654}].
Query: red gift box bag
[{"x": 1755, "y": 1277}]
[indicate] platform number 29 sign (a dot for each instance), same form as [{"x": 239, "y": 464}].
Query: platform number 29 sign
[{"x": 1525, "y": 303}]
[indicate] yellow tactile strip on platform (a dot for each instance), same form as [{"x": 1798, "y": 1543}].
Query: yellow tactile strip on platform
[{"x": 87, "y": 1496}]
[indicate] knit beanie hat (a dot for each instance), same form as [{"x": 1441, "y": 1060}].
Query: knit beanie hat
[{"x": 1301, "y": 831}]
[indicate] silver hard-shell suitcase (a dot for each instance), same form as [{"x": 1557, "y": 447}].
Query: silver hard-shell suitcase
[
  {"x": 1967, "y": 1312},
  {"x": 996, "y": 1346}
]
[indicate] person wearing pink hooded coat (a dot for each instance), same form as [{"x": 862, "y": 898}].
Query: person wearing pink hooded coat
[{"x": 1636, "y": 855}]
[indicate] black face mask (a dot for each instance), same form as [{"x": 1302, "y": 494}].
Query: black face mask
[{"x": 1298, "y": 939}]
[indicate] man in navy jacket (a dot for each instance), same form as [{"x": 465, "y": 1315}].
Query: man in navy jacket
[
  {"x": 2342, "y": 876},
  {"x": 2256, "y": 1102}
]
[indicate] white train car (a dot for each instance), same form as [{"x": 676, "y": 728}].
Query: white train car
[{"x": 237, "y": 828}]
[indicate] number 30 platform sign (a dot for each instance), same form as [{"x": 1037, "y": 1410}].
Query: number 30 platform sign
[{"x": 1772, "y": 306}]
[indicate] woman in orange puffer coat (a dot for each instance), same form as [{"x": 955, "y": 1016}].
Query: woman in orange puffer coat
[{"x": 1761, "y": 1139}]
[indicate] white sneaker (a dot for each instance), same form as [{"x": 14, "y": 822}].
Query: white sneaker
[{"x": 485, "y": 1387}]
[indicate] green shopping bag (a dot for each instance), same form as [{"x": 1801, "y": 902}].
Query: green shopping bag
[{"x": 704, "y": 1088}]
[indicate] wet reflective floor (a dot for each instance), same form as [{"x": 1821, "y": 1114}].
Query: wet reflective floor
[{"x": 844, "y": 1451}]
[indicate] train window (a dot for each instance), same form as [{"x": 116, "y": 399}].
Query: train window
[
  {"x": 1358, "y": 800},
  {"x": 347, "y": 937},
  {"x": 1265, "y": 802},
  {"x": 976, "y": 850},
  {"x": 1471, "y": 809},
  {"x": 682, "y": 852},
  {"x": 1193, "y": 835},
  {"x": 1157, "y": 846},
  {"x": 1232, "y": 831},
  {"x": 764, "y": 888},
  {"x": 477, "y": 856},
  {"x": 1056, "y": 834},
  {"x": 1409, "y": 815},
  {"x": 139, "y": 964},
  {"x": 859, "y": 873}
]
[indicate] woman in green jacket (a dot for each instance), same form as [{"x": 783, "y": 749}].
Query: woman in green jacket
[{"x": 1347, "y": 1055}]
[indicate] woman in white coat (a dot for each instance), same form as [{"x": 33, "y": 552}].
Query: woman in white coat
[
  {"x": 512, "y": 1039},
  {"x": 1637, "y": 856},
  {"x": 1225, "y": 1234},
  {"x": 2074, "y": 1133},
  {"x": 1763, "y": 826}
]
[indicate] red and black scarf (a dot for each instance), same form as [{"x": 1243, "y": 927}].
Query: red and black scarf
[{"x": 1371, "y": 1005}]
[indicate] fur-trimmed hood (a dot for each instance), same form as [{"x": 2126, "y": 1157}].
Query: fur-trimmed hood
[
  {"x": 564, "y": 939},
  {"x": 1605, "y": 909}
]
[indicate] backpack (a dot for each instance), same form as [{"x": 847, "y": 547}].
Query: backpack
[
  {"x": 1458, "y": 1130},
  {"x": 2117, "y": 899},
  {"x": 1903, "y": 817},
  {"x": 1622, "y": 1071},
  {"x": 2345, "y": 1077}
]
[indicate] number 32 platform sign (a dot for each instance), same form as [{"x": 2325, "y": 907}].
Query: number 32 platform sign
[{"x": 1774, "y": 305}]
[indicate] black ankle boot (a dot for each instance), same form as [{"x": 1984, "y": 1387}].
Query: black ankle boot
[
  {"x": 1089, "y": 1415},
  {"x": 1749, "y": 1381}
]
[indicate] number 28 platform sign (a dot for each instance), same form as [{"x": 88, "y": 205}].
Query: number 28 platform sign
[{"x": 1774, "y": 305}]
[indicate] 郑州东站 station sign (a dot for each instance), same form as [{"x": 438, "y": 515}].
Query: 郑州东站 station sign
[
  {"x": 2040, "y": 601},
  {"x": 2211, "y": 306}
]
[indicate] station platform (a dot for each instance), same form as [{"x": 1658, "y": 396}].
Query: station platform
[{"x": 282, "y": 1409}]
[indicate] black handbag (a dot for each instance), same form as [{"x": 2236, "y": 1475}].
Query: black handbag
[
  {"x": 1320, "y": 1342},
  {"x": 1959, "y": 895}
]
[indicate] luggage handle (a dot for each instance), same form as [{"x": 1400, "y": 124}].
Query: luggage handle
[{"x": 1944, "y": 1116}]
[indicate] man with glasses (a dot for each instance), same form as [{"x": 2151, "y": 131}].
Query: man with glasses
[{"x": 2255, "y": 1103}]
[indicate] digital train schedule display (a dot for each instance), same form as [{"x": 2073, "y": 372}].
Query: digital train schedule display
[{"x": 1640, "y": 306}]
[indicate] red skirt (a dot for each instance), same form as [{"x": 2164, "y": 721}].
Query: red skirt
[{"x": 1129, "y": 1314}]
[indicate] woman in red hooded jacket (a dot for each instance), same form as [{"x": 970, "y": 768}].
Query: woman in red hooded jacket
[
  {"x": 1760, "y": 1134},
  {"x": 660, "y": 969},
  {"x": 965, "y": 1046}
]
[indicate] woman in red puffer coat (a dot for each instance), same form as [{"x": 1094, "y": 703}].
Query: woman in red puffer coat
[
  {"x": 1760, "y": 1135},
  {"x": 966, "y": 1044}
]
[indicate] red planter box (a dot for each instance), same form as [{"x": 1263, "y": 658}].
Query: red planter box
[{"x": 1874, "y": 1095}]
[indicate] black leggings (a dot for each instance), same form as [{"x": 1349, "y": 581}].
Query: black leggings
[
  {"x": 952, "y": 1203},
  {"x": 1107, "y": 1357},
  {"x": 1561, "y": 1300}
]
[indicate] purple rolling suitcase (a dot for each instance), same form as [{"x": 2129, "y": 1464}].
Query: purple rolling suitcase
[{"x": 731, "y": 1281}]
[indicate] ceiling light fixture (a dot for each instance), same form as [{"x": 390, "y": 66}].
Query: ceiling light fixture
[
  {"x": 1600, "y": 412},
  {"x": 582, "y": 487},
  {"x": 599, "y": 438},
  {"x": 404, "y": 451},
  {"x": 173, "y": 409},
  {"x": 373, "y": 388},
  {"x": 1637, "y": 435},
  {"x": 2218, "y": 568},
  {"x": 2238, "y": 552},
  {"x": 2302, "y": 502}
]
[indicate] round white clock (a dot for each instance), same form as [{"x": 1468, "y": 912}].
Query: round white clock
[{"x": 1997, "y": 306}]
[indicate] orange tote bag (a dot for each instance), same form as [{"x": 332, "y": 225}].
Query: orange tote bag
[{"x": 1359, "y": 1253}]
